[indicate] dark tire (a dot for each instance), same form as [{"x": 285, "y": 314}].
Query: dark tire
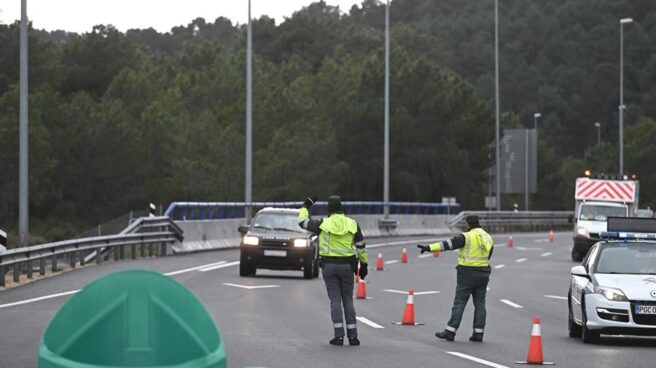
[
  {"x": 588, "y": 336},
  {"x": 576, "y": 256},
  {"x": 246, "y": 269},
  {"x": 308, "y": 270},
  {"x": 573, "y": 329}
]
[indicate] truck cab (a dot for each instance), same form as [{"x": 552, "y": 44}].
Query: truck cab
[{"x": 590, "y": 222}]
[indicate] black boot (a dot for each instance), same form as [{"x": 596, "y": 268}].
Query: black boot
[
  {"x": 354, "y": 341},
  {"x": 445, "y": 335},
  {"x": 476, "y": 337},
  {"x": 339, "y": 341}
]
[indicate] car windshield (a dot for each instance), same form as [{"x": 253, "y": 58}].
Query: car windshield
[
  {"x": 591, "y": 212},
  {"x": 277, "y": 221},
  {"x": 629, "y": 258}
]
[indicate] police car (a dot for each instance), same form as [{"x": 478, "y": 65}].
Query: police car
[
  {"x": 275, "y": 241},
  {"x": 614, "y": 291}
]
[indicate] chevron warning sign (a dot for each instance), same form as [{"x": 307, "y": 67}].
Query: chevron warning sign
[{"x": 607, "y": 190}]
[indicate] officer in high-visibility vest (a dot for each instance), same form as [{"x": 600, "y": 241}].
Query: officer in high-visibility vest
[
  {"x": 475, "y": 248},
  {"x": 341, "y": 247}
]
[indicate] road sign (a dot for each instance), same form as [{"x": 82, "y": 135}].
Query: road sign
[{"x": 518, "y": 158}]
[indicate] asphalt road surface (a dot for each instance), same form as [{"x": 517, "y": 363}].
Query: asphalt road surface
[{"x": 278, "y": 319}]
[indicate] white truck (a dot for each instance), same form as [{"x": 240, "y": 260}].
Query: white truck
[{"x": 595, "y": 201}]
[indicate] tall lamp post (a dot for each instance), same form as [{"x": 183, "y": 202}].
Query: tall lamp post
[
  {"x": 598, "y": 126},
  {"x": 249, "y": 120},
  {"x": 496, "y": 91},
  {"x": 623, "y": 21},
  {"x": 536, "y": 116},
  {"x": 23, "y": 183},
  {"x": 387, "y": 82}
]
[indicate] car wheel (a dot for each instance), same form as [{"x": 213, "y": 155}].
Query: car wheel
[
  {"x": 573, "y": 329},
  {"x": 589, "y": 336},
  {"x": 576, "y": 256},
  {"x": 246, "y": 269},
  {"x": 308, "y": 270}
]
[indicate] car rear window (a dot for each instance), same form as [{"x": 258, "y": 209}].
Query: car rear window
[{"x": 628, "y": 258}]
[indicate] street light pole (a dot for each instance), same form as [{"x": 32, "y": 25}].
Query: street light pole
[
  {"x": 623, "y": 21},
  {"x": 23, "y": 196},
  {"x": 496, "y": 89},
  {"x": 249, "y": 119},
  {"x": 598, "y": 126},
  {"x": 387, "y": 83},
  {"x": 536, "y": 116}
]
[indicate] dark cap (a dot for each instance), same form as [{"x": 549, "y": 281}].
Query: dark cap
[
  {"x": 334, "y": 204},
  {"x": 472, "y": 221}
]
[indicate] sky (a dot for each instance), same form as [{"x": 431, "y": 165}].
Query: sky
[{"x": 81, "y": 15}]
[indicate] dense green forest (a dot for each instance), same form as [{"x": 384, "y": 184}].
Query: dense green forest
[{"x": 118, "y": 120}]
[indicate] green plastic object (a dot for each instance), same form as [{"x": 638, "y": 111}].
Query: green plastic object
[{"x": 132, "y": 319}]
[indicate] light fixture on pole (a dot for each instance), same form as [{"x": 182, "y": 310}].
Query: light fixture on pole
[
  {"x": 598, "y": 126},
  {"x": 536, "y": 116},
  {"x": 248, "y": 195},
  {"x": 623, "y": 21}
]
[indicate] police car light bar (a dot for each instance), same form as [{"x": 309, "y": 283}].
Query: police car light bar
[
  {"x": 616, "y": 235},
  {"x": 631, "y": 225}
]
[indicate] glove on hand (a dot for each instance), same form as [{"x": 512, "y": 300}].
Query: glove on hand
[
  {"x": 309, "y": 201},
  {"x": 363, "y": 270},
  {"x": 424, "y": 248}
]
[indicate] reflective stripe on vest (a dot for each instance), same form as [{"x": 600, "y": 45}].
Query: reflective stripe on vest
[{"x": 476, "y": 252}]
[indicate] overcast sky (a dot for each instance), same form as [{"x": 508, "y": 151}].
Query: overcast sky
[{"x": 80, "y": 15}]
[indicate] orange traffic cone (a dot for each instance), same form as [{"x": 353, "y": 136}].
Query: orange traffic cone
[
  {"x": 409, "y": 313},
  {"x": 551, "y": 236},
  {"x": 362, "y": 289},
  {"x": 535, "y": 346},
  {"x": 510, "y": 241},
  {"x": 379, "y": 262},
  {"x": 404, "y": 256},
  {"x": 436, "y": 253}
]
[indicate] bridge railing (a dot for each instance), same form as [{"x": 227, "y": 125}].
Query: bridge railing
[
  {"x": 516, "y": 221},
  {"x": 146, "y": 237},
  {"x": 225, "y": 210}
]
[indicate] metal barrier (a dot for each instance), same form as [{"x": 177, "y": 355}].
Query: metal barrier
[
  {"x": 138, "y": 240},
  {"x": 518, "y": 221},
  {"x": 225, "y": 210}
]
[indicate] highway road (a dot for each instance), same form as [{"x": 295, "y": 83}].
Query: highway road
[{"x": 278, "y": 319}]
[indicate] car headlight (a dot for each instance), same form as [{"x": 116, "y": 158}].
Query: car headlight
[
  {"x": 582, "y": 231},
  {"x": 251, "y": 240},
  {"x": 301, "y": 243},
  {"x": 612, "y": 294}
]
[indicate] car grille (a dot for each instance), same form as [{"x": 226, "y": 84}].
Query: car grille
[
  {"x": 276, "y": 243},
  {"x": 643, "y": 319}
]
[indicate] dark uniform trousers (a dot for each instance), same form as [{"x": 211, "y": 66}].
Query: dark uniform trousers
[{"x": 471, "y": 281}]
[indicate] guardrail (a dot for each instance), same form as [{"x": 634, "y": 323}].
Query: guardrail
[
  {"x": 225, "y": 210},
  {"x": 146, "y": 237},
  {"x": 516, "y": 221}
]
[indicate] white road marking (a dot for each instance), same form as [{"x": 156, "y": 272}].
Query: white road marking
[
  {"x": 39, "y": 298},
  {"x": 224, "y": 265},
  {"x": 541, "y": 240},
  {"x": 477, "y": 360},
  {"x": 547, "y": 254},
  {"x": 556, "y": 297},
  {"x": 396, "y": 291},
  {"x": 416, "y": 293},
  {"x": 427, "y": 292},
  {"x": 499, "y": 266},
  {"x": 392, "y": 261},
  {"x": 508, "y": 302},
  {"x": 247, "y": 287},
  {"x": 368, "y": 322},
  {"x": 192, "y": 269},
  {"x": 425, "y": 255},
  {"x": 520, "y": 260},
  {"x": 529, "y": 249}
]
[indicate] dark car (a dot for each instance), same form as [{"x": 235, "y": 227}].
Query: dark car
[{"x": 274, "y": 241}]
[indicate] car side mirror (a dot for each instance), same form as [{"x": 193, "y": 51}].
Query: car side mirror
[
  {"x": 580, "y": 271},
  {"x": 243, "y": 229}
]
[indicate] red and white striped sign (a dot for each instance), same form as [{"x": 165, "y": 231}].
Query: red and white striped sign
[{"x": 606, "y": 190}]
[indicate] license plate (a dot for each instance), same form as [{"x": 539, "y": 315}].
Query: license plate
[
  {"x": 645, "y": 309},
  {"x": 275, "y": 253}
]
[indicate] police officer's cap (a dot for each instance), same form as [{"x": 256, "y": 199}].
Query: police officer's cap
[
  {"x": 334, "y": 203},
  {"x": 472, "y": 221}
]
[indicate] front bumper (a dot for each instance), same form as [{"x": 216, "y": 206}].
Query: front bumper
[
  {"x": 617, "y": 318},
  {"x": 293, "y": 259}
]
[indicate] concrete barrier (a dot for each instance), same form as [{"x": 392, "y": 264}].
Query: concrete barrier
[{"x": 215, "y": 234}]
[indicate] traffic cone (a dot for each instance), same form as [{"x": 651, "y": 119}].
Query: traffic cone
[
  {"x": 409, "y": 313},
  {"x": 379, "y": 262},
  {"x": 535, "y": 346},
  {"x": 436, "y": 253},
  {"x": 404, "y": 256},
  {"x": 362, "y": 289},
  {"x": 510, "y": 241},
  {"x": 551, "y": 236}
]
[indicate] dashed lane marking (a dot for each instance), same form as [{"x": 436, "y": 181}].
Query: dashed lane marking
[
  {"x": 546, "y": 254},
  {"x": 173, "y": 273},
  {"x": 425, "y": 255},
  {"x": 499, "y": 266},
  {"x": 541, "y": 240},
  {"x": 392, "y": 261},
  {"x": 247, "y": 287},
  {"x": 369, "y": 322},
  {"x": 416, "y": 293},
  {"x": 38, "y": 299},
  {"x": 224, "y": 265},
  {"x": 508, "y": 302},
  {"x": 556, "y": 297},
  {"x": 520, "y": 260},
  {"x": 477, "y": 360}
]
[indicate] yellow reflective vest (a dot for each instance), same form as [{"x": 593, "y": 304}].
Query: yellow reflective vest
[
  {"x": 336, "y": 236},
  {"x": 476, "y": 252}
]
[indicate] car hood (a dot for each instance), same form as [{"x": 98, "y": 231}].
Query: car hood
[
  {"x": 635, "y": 287},
  {"x": 278, "y": 235}
]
